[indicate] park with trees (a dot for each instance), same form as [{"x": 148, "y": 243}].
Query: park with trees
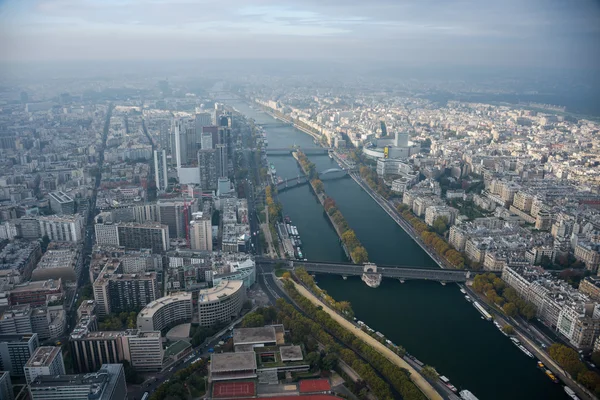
[{"x": 320, "y": 325}]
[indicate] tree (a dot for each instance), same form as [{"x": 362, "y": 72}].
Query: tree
[
  {"x": 286, "y": 275},
  {"x": 253, "y": 320},
  {"x": 440, "y": 225},
  {"x": 508, "y": 329},
  {"x": 330, "y": 361},
  {"x": 528, "y": 311},
  {"x": 313, "y": 359},
  {"x": 429, "y": 372},
  {"x": 318, "y": 185},
  {"x": 360, "y": 255},
  {"x": 567, "y": 358},
  {"x": 510, "y": 309}
]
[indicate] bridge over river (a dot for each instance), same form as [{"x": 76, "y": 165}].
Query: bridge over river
[{"x": 400, "y": 272}]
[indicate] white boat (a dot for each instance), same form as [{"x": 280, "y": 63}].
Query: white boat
[
  {"x": 467, "y": 395},
  {"x": 482, "y": 310},
  {"x": 571, "y": 393},
  {"x": 468, "y": 298},
  {"x": 463, "y": 291},
  {"x": 524, "y": 350},
  {"x": 447, "y": 383}
]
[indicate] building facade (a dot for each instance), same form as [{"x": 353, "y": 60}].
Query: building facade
[
  {"x": 221, "y": 303},
  {"x": 165, "y": 312}
]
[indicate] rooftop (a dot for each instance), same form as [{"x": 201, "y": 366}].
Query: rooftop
[
  {"x": 153, "y": 307},
  {"x": 50, "y": 284},
  {"x": 231, "y": 362},
  {"x": 291, "y": 353},
  {"x": 223, "y": 289},
  {"x": 43, "y": 356},
  {"x": 265, "y": 334}
]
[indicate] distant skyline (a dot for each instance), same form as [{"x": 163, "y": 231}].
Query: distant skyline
[{"x": 512, "y": 33}]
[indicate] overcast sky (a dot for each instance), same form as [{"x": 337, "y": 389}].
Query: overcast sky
[{"x": 549, "y": 33}]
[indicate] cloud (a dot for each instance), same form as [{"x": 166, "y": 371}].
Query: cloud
[{"x": 412, "y": 31}]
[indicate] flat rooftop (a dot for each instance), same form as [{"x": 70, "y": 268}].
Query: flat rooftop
[
  {"x": 223, "y": 289},
  {"x": 231, "y": 362},
  {"x": 43, "y": 356},
  {"x": 50, "y": 284},
  {"x": 291, "y": 353},
  {"x": 157, "y": 304},
  {"x": 265, "y": 334}
]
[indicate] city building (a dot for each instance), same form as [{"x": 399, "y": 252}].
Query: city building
[
  {"x": 232, "y": 366},
  {"x": 569, "y": 312},
  {"x": 15, "y": 351},
  {"x": 201, "y": 232},
  {"x": 221, "y": 303},
  {"x": 20, "y": 256},
  {"x": 36, "y": 293},
  {"x": 6, "y": 388},
  {"x": 46, "y": 360},
  {"x": 146, "y": 351},
  {"x": 590, "y": 286},
  {"x": 61, "y": 203},
  {"x": 166, "y": 312},
  {"x": 174, "y": 213},
  {"x": 90, "y": 349},
  {"x": 62, "y": 228},
  {"x": 160, "y": 169},
  {"x": 135, "y": 236},
  {"x": 115, "y": 292},
  {"x": 60, "y": 261},
  {"x": 208, "y": 165},
  {"x": 108, "y": 383},
  {"x": 144, "y": 236},
  {"x": 47, "y": 322}
]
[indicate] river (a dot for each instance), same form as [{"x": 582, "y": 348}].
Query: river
[{"x": 433, "y": 322}]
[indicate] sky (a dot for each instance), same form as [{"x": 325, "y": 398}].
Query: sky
[{"x": 512, "y": 33}]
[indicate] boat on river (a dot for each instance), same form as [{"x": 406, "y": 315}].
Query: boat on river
[
  {"x": 571, "y": 393},
  {"x": 482, "y": 310},
  {"x": 467, "y": 395},
  {"x": 551, "y": 376}
]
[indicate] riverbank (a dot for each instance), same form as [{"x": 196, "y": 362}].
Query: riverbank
[
  {"x": 384, "y": 204},
  {"x": 283, "y": 118},
  {"x": 415, "y": 377},
  {"x": 348, "y": 240}
]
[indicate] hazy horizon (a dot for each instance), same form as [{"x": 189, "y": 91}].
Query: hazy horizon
[{"x": 545, "y": 34}]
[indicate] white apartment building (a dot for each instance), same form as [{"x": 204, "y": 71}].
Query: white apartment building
[
  {"x": 65, "y": 228},
  {"x": 165, "y": 312},
  {"x": 221, "y": 303},
  {"x": 46, "y": 360}
]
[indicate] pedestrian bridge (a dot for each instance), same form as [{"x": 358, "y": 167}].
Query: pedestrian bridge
[{"x": 400, "y": 272}]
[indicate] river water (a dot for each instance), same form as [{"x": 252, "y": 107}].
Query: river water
[{"x": 433, "y": 322}]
